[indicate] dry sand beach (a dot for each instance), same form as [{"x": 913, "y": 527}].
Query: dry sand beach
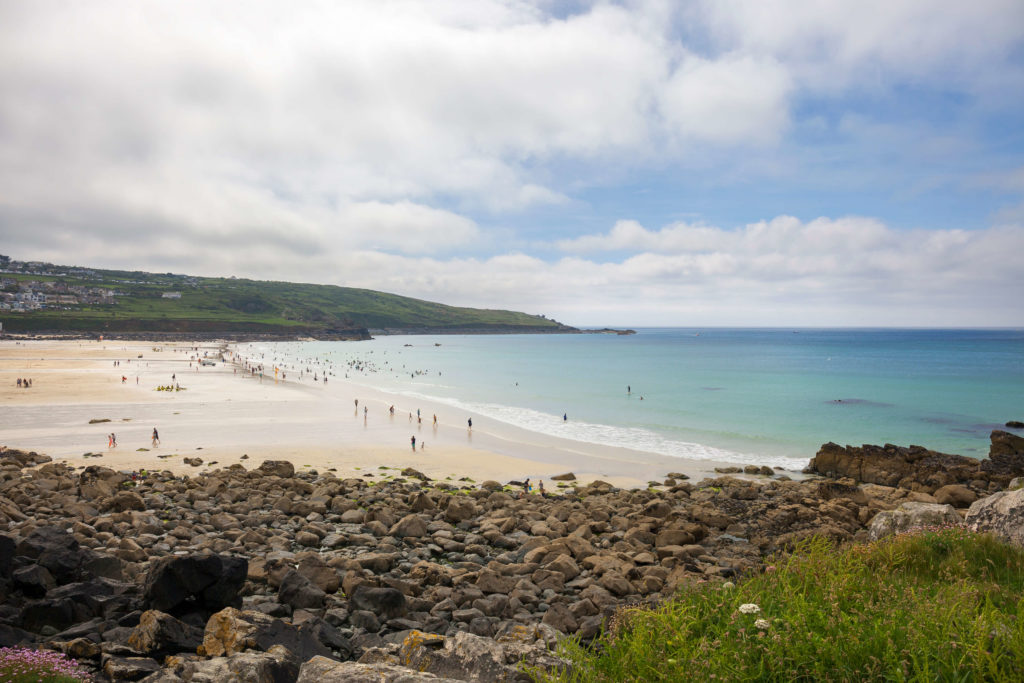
[{"x": 224, "y": 414}]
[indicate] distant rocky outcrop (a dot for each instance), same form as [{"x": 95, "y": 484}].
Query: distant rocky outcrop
[{"x": 919, "y": 469}]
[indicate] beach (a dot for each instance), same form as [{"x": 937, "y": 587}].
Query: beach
[{"x": 82, "y": 391}]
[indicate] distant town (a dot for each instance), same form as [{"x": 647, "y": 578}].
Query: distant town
[{"x": 64, "y": 287}]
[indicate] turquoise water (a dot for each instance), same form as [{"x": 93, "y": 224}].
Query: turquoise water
[{"x": 743, "y": 395}]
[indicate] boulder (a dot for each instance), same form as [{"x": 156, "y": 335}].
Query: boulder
[
  {"x": 129, "y": 668},
  {"x": 459, "y": 509},
  {"x": 468, "y": 657},
  {"x": 322, "y": 670},
  {"x": 277, "y": 468},
  {"x": 560, "y": 618},
  {"x": 56, "y": 550},
  {"x": 323, "y": 576},
  {"x": 299, "y": 592},
  {"x": 1005, "y": 455},
  {"x": 909, "y": 516},
  {"x": 276, "y": 665},
  {"x": 159, "y": 634},
  {"x": 956, "y": 495},
  {"x": 1001, "y": 514},
  {"x": 388, "y": 603},
  {"x": 410, "y": 526},
  {"x": 231, "y": 631},
  {"x": 124, "y": 501},
  {"x": 568, "y": 476},
  {"x": 7, "y": 546},
  {"x": 414, "y": 474},
  {"x": 194, "y": 583}
]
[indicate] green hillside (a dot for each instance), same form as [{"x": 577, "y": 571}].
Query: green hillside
[{"x": 94, "y": 300}]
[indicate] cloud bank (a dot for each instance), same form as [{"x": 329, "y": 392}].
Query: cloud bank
[{"x": 415, "y": 147}]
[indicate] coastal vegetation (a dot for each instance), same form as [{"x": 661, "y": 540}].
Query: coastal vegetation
[
  {"x": 47, "y": 297},
  {"x": 26, "y": 665},
  {"x": 933, "y": 604}
]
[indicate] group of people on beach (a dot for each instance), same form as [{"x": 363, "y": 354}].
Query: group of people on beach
[
  {"x": 24, "y": 383},
  {"x": 112, "y": 439},
  {"x": 528, "y": 488}
]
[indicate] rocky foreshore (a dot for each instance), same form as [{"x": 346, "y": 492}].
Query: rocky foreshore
[{"x": 274, "y": 574}]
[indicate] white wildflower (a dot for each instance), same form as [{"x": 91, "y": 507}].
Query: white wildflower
[
  {"x": 749, "y": 608},
  {"x": 762, "y": 624}
]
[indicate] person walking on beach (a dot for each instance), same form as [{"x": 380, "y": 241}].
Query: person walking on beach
[
  {"x": 156, "y": 438},
  {"x": 470, "y": 423},
  {"x": 565, "y": 417},
  {"x": 413, "y": 440}
]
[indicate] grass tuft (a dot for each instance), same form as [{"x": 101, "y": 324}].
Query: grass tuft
[{"x": 934, "y": 604}]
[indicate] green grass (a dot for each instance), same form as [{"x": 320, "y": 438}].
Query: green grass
[
  {"x": 939, "y": 605},
  {"x": 210, "y": 304}
]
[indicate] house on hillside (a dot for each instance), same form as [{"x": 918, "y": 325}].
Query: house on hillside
[{"x": 171, "y": 295}]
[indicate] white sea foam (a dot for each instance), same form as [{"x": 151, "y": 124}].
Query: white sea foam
[{"x": 633, "y": 438}]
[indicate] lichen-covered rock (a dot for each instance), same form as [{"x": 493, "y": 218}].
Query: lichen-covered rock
[
  {"x": 276, "y": 665},
  {"x": 322, "y": 670},
  {"x": 1001, "y": 514},
  {"x": 911, "y": 515},
  {"x": 231, "y": 631},
  {"x": 160, "y": 634}
]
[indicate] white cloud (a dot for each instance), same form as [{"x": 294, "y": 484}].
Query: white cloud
[
  {"x": 833, "y": 44},
  {"x": 380, "y": 143},
  {"x": 733, "y": 99},
  {"x": 843, "y": 271}
]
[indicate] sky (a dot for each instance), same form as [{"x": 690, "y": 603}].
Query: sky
[{"x": 718, "y": 162}]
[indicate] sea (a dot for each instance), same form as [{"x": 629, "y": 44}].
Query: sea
[{"x": 747, "y": 396}]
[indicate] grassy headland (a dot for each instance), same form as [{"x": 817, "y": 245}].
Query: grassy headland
[{"x": 111, "y": 301}]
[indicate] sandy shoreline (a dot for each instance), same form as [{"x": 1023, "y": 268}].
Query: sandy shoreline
[{"x": 224, "y": 414}]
